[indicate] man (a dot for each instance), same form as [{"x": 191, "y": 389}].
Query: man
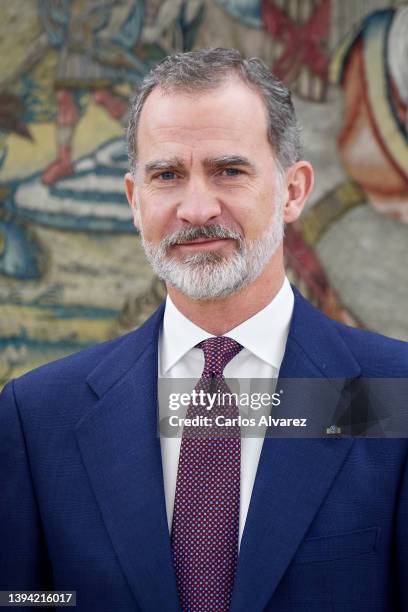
[{"x": 93, "y": 500}]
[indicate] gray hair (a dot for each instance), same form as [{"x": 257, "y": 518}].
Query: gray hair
[{"x": 206, "y": 69}]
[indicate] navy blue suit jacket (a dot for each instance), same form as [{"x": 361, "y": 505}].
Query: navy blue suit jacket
[{"x": 81, "y": 488}]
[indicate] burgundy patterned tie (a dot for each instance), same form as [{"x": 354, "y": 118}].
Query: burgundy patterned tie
[{"x": 204, "y": 535}]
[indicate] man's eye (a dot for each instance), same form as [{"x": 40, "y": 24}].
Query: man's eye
[
  {"x": 167, "y": 176},
  {"x": 232, "y": 171}
]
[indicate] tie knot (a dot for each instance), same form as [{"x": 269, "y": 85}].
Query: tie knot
[{"x": 218, "y": 351}]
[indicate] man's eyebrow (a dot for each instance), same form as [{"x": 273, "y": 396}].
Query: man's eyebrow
[
  {"x": 213, "y": 163},
  {"x": 228, "y": 160},
  {"x": 163, "y": 164}
]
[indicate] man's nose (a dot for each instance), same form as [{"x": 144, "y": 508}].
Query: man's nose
[{"x": 199, "y": 204}]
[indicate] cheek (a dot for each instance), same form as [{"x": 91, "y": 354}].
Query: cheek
[
  {"x": 253, "y": 213},
  {"x": 156, "y": 215}
]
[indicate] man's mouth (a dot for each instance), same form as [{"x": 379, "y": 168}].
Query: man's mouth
[{"x": 204, "y": 243}]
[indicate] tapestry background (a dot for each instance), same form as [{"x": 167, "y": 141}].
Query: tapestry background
[{"x": 72, "y": 271}]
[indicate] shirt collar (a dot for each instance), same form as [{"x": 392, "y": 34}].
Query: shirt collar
[{"x": 264, "y": 334}]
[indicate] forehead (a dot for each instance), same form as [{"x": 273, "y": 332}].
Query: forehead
[{"x": 231, "y": 118}]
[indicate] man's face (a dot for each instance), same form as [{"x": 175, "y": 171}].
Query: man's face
[{"x": 208, "y": 195}]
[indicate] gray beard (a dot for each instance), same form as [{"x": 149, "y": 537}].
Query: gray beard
[{"x": 211, "y": 274}]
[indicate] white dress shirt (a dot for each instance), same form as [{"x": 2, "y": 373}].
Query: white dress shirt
[{"x": 263, "y": 337}]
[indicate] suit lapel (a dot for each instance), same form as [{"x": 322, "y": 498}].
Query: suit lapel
[
  {"x": 121, "y": 452},
  {"x": 294, "y": 475}
]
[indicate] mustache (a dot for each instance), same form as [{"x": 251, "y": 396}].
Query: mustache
[{"x": 194, "y": 233}]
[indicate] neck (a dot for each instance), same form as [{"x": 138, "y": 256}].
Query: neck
[{"x": 218, "y": 316}]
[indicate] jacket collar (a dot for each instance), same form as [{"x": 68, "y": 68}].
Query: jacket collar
[{"x": 126, "y": 354}]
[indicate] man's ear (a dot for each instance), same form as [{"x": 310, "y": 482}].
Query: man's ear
[
  {"x": 130, "y": 189},
  {"x": 299, "y": 184}
]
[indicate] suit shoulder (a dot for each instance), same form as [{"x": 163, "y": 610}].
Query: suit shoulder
[
  {"x": 67, "y": 377},
  {"x": 378, "y": 355},
  {"x": 83, "y": 362},
  {"x": 337, "y": 348},
  {"x": 71, "y": 368}
]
